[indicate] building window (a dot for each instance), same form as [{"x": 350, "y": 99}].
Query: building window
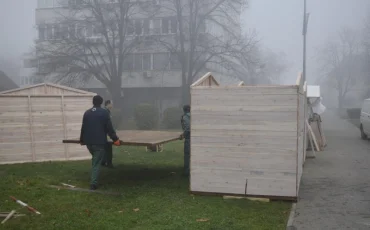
[
  {"x": 160, "y": 61},
  {"x": 169, "y": 25},
  {"x": 165, "y": 25},
  {"x": 130, "y": 28},
  {"x": 156, "y": 26},
  {"x": 42, "y": 31},
  {"x": 64, "y": 31},
  {"x": 138, "y": 27},
  {"x": 138, "y": 62},
  {"x": 146, "y": 26},
  {"x": 147, "y": 62},
  {"x": 49, "y": 32},
  {"x": 173, "y": 25},
  {"x": 89, "y": 30},
  {"x": 57, "y": 32},
  {"x": 128, "y": 63},
  {"x": 72, "y": 31},
  {"x": 80, "y": 31},
  {"x": 175, "y": 62}
]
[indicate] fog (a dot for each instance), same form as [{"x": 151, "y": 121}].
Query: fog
[
  {"x": 278, "y": 24},
  {"x": 17, "y": 23}
]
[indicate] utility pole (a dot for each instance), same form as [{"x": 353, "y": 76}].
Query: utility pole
[{"x": 304, "y": 33}]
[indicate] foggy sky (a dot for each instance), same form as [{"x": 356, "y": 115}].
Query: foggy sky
[
  {"x": 17, "y": 21},
  {"x": 278, "y": 23}
]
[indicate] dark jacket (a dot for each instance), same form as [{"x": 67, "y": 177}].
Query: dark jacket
[
  {"x": 185, "y": 123},
  {"x": 96, "y": 125}
]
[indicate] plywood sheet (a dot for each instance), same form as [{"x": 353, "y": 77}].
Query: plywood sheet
[
  {"x": 32, "y": 128},
  {"x": 141, "y": 137},
  {"x": 244, "y": 135}
]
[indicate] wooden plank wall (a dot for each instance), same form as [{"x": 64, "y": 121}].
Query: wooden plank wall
[
  {"x": 32, "y": 128},
  {"x": 15, "y": 138},
  {"x": 301, "y": 137},
  {"x": 75, "y": 107},
  {"x": 244, "y": 140},
  {"x": 41, "y": 90}
]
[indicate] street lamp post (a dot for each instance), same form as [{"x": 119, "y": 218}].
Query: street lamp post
[{"x": 304, "y": 33}]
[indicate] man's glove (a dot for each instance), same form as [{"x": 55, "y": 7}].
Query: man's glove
[{"x": 117, "y": 143}]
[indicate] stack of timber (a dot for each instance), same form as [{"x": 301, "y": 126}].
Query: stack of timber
[
  {"x": 34, "y": 121},
  {"x": 247, "y": 140}
]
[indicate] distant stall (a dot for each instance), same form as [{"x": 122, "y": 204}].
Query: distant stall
[
  {"x": 34, "y": 120},
  {"x": 247, "y": 140}
]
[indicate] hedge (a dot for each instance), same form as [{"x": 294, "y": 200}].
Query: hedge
[
  {"x": 172, "y": 118},
  {"x": 146, "y": 116}
]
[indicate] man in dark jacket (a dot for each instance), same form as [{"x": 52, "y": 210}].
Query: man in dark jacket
[
  {"x": 185, "y": 123},
  {"x": 96, "y": 125},
  {"x": 107, "y": 159}
]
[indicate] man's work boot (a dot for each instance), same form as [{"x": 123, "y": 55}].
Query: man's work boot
[{"x": 93, "y": 187}]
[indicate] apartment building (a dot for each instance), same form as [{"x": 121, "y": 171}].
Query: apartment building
[{"x": 151, "y": 72}]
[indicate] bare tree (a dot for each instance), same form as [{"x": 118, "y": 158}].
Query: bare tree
[
  {"x": 208, "y": 33},
  {"x": 338, "y": 62},
  {"x": 91, "y": 39}
]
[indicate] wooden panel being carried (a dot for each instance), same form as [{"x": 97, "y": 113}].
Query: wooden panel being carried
[
  {"x": 245, "y": 140},
  {"x": 141, "y": 137}
]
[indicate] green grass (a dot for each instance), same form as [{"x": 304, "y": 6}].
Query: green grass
[{"x": 150, "y": 182}]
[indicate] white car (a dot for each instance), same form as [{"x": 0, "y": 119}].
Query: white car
[{"x": 365, "y": 119}]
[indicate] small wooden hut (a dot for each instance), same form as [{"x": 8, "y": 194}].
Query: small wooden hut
[
  {"x": 247, "y": 140},
  {"x": 34, "y": 121}
]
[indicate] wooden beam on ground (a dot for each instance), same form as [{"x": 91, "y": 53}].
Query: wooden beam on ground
[
  {"x": 86, "y": 190},
  {"x": 5, "y": 214},
  {"x": 8, "y": 216},
  {"x": 248, "y": 198}
]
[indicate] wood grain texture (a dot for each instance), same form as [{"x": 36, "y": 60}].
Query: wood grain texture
[
  {"x": 244, "y": 140},
  {"x": 33, "y": 126}
]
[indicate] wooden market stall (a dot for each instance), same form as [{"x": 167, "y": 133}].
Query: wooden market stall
[
  {"x": 247, "y": 140},
  {"x": 34, "y": 121}
]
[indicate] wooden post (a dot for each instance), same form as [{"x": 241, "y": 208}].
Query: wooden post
[
  {"x": 66, "y": 149},
  {"x": 30, "y": 122}
]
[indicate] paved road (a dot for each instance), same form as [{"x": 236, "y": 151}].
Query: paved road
[{"x": 335, "y": 189}]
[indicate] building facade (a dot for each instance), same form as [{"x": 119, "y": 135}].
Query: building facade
[{"x": 152, "y": 71}]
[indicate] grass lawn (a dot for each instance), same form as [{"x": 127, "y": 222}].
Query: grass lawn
[{"x": 155, "y": 196}]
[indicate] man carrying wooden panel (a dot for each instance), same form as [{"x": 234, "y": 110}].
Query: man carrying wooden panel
[
  {"x": 96, "y": 125},
  {"x": 185, "y": 123},
  {"x": 107, "y": 159}
]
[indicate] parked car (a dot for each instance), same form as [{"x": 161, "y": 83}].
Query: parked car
[{"x": 365, "y": 119}]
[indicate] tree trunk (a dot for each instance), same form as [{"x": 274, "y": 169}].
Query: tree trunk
[
  {"x": 186, "y": 94},
  {"x": 340, "y": 102},
  {"x": 115, "y": 91}
]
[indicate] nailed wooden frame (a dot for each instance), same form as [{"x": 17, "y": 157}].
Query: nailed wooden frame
[
  {"x": 31, "y": 110},
  {"x": 207, "y": 95}
]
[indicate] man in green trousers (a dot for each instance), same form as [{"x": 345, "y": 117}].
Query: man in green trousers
[
  {"x": 96, "y": 125},
  {"x": 185, "y": 122},
  {"x": 107, "y": 160}
]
